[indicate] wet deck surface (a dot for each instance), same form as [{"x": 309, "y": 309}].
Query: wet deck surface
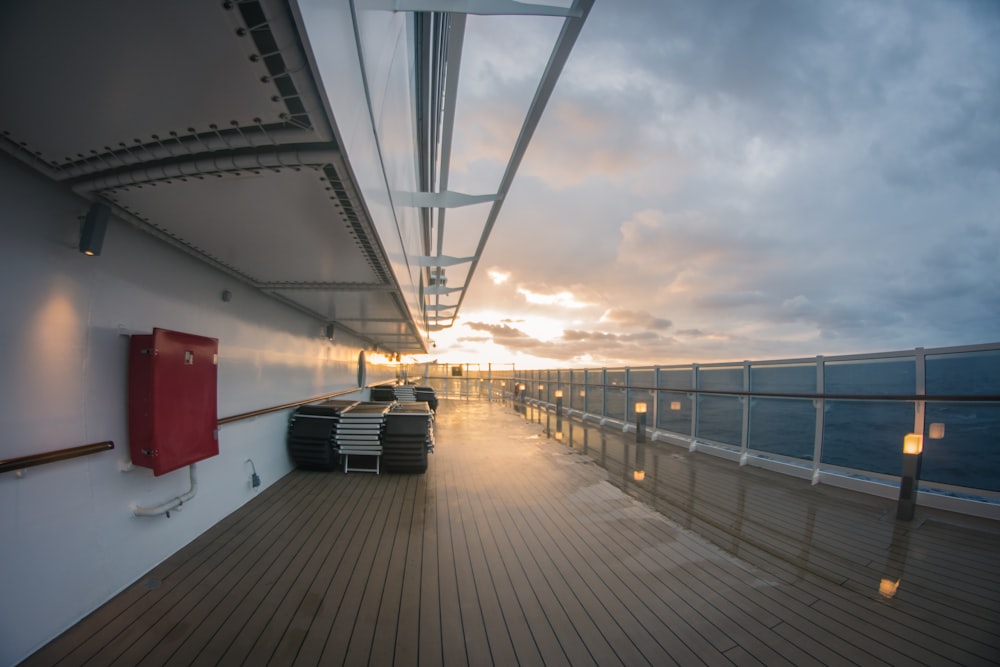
[{"x": 519, "y": 549}]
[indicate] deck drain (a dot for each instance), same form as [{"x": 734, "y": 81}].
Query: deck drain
[{"x": 152, "y": 584}]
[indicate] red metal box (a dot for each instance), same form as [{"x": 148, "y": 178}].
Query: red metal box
[{"x": 173, "y": 392}]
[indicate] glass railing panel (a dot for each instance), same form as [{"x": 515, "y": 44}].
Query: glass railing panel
[
  {"x": 595, "y": 400},
  {"x": 616, "y": 403},
  {"x": 871, "y": 377},
  {"x": 673, "y": 411},
  {"x": 644, "y": 378},
  {"x": 785, "y": 426},
  {"x": 595, "y": 392},
  {"x": 720, "y": 418},
  {"x": 675, "y": 379},
  {"x": 615, "y": 392},
  {"x": 867, "y": 435},
  {"x": 969, "y": 453},
  {"x": 729, "y": 378},
  {"x": 782, "y": 379},
  {"x": 963, "y": 373},
  {"x": 616, "y": 378}
]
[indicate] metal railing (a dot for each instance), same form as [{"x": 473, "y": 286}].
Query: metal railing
[{"x": 838, "y": 420}]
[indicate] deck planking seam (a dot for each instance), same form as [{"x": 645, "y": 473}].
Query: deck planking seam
[
  {"x": 732, "y": 627},
  {"x": 336, "y": 645},
  {"x": 564, "y": 631},
  {"x": 386, "y": 629},
  {"x": 965, "y": 620},
  {"x": 543, "y": 634},
  {"x": 515, "y": 613},
  {"x": 651, "y": 621},
  {"x": 337, "y": 565},
  {"x": 224, "y": 607},
  {"x": 277, "y": 612},
  {"x": 381, "y": 574},
  {"x": 175, "y": 589},
  {"x": 497, "y": 622},
  {"x": 81, "y": 641},
  {"x": 240, "y": 594},
  {"x": 555, "y": 565}
]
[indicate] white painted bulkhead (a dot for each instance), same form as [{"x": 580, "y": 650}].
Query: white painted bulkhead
[{"x": 69, "y": 538}]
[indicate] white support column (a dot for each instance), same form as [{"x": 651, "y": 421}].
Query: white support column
[
  {"x": 745, "y": 429},
  {"x": 442, "y": 260},
  {"x": 450, "y": 199},
  {"x": 694, "y": 407},
  {"x": 820, "y": 405}
]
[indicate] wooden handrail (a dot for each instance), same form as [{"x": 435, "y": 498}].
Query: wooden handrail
[
  {"x": 285, "y": 406},
  {"x": 20, "y": 462}
]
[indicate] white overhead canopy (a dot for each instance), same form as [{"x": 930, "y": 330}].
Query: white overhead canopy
[{"x": 225, "y": 129}]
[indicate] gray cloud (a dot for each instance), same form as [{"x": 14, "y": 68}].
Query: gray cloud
[
  {"x": 634, "y": 318},
  {"x": 783, "y": 179}
]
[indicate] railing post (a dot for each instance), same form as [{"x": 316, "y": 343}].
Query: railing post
[
  {"x": 694, "y": 405},
  {"x": 656, "y": 398},
  {"x": 559, "y": 407},
  {"x": 604, "y": 393},
  {"x": 745, "y": 428},
  {"x": 820, "y": 405}
]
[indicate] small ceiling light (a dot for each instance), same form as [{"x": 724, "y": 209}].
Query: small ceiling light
[{"x": 94, "y": 227}]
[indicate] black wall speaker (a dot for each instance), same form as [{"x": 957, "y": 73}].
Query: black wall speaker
[{"x": 94, "y": 227}]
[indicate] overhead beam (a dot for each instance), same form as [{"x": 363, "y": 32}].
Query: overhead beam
[
  {"x": 441, "y": 289},
  {"x": 337, "y": 286},
  {"x": 449, "y": 199},
  {"x": 557, "y": 60},
  {"x": 479, "y": 7},
  {"x": 443, "y": 260}
]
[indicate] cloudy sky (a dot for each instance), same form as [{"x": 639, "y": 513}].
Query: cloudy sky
[{"x": 728, "y": 179}]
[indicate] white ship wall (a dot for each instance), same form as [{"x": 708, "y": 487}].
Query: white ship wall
[{"x": 68, "y": 538}]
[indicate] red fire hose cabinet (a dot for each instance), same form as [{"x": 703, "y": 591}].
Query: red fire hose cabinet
[{"x": 173, "y": 392}]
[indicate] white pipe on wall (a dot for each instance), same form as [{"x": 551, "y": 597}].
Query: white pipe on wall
[{"x": 164, "y": 508}]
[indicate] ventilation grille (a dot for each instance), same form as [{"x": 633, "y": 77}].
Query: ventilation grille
[{"x": 356, "y": 226}]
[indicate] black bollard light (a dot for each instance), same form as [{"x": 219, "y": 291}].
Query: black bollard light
[
  {"x": 640, "y": 422},
  {"x": 913, "y": 449}
]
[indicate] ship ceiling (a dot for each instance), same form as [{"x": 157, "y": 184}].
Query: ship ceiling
[
  {"x": 206, "y": 123},
  {"x": 200, "y": 123}
]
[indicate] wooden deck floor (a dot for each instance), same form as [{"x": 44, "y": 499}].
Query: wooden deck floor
[{"x": 517, "y": 549}]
